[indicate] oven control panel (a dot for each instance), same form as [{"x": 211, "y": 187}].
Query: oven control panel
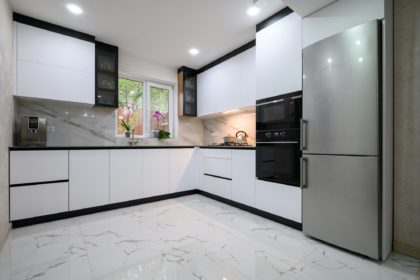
[{"x": 290, "y": 134}]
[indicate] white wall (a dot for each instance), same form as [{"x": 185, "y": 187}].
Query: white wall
[
  {"x": 134, "y": 67},
  {"x": 338, "y": 17},
  {"x": 7, "y": 113}
]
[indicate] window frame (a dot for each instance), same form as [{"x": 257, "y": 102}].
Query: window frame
[{"x": 146, "y": 107}]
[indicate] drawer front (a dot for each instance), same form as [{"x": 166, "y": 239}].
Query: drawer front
[
  {"x": 218, "y": 166},
  {"x": 38, "y": 166},
  {"x": 38, "y": 200},
  {"x": 217, "y": 153},
  {"x": 217, "y": 186}
]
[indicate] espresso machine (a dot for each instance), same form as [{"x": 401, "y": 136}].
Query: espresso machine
[{"x": 33, "y": 132}]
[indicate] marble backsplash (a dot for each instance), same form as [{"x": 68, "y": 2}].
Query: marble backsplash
[
  {"x": 215, "y": 128},
  {"x": 79, "y": 125}
]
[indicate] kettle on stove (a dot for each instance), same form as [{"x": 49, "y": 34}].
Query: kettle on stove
[{"x": 241, "y": 137}]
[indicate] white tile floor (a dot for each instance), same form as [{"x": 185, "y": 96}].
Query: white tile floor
[{"x": 191, "y": 237}]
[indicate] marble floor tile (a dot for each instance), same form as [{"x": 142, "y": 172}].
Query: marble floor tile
[{"x": 191, "y": 237}]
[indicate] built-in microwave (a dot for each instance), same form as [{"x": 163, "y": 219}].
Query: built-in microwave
[{"x": 282, "y": 111}]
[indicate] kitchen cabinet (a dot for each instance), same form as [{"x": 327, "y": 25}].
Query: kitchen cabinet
[
  {"x": 106, "y": 75},
  {"x": 49, "y": 65},
  {"x": 228, "y": 85},
  {"x": 243, "y": 177},
  {"x": 217, "y": 172},
  {"x": 278, "y": 199},
  {"x": 187, "y": 92},
  {"x": 89, "y": 178},
  {"x": 38, "y": 200},
  {"x": 125, "y": 175},
  {"x": 279, "y": 57},
  {"x": 38, "y": 166},
  {"x": 198, "y": 168},
  {"x": 218, "y": 186},
  {"x": 155, "y": 172},
  {"x": 181, "y": 168}
]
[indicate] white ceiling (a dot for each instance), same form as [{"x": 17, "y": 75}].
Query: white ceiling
[{"x": 161, "y": 31}]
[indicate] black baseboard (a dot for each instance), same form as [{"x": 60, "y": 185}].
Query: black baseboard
[
  {"x": 87, "y": 211},
  {"x": 92, "y": 210},
  {"x": 253, "y": 210}
]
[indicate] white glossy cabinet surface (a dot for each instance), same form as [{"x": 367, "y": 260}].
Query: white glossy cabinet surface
[
  {"x": 279, "y": 57},
  {"x": 38, "y": 166},
  {"x": 181, "y": 169},
  {"x": 278, "y": 199},
  {"x": 243, "y": 177},
  {"x": 217, "y": 166},
  {"x": 89, "y": 178},
  {"x": 217, "y": 186},
  {"x": 228, "y": 85},
  {"x": 38, "y": 200},
  {"x": 155, "y": 172},
  {"x": 198, "y": 168},
  {"x": 125, "y": 176},
  {"x": 53, "y": 66}
]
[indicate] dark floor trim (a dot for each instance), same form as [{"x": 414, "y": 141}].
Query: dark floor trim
[
  {"x": 233, "y": 53},
  {"x": 219, "y": 177},
  {"x": 274, "y": 18},
  {"x": 253, "y": 210},
  {"x": 71, "y": 214},
  {"x": 53, "y": 27},
  {"x": 92, "y": 210},
  {"x": 38, "y": 183}
]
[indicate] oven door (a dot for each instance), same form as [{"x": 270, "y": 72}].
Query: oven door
[{"x": 279, "y": 162}]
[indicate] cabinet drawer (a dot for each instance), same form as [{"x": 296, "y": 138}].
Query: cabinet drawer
[
  {"x": 218, "y": 166},
  {"x": 217, "y": 153},
  {"x": 217, "y": 186},
  {"x": 38, "y": 200},
  {"x": 38, "y": 166}
]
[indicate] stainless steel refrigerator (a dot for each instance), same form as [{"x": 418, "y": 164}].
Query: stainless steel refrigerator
[{"x": 340, "y": 168}]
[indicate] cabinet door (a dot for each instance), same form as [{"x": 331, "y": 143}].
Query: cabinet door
[
  {"x": 38, "y": 200},
  {"x": 198, "y": 168},
  {"x": 125, "y": 175},
  {"x": 181, "y": 170},
  {"x": 243, "y": 177},
  {"x": 89, "y": 178},
  {"x": 155, "y": 172},
  {"x": 38, "y": 166},
  {"x": 278, "y": 199},
  {"x": 279, "y": 57},
  {"x": 248, "y": 80},
  {"x": 218, "y": 186}
]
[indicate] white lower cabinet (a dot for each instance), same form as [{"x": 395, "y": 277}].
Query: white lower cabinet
[
  {"x": 243, "y": 177},
  {"x": 181, "y": 168},
  {"x": 125, "y": 177},
  {"x": 38, "y": 200},
  {"x": 89, "y": 178},
  {"x": 198, "y": 168},
  {"x": 218, "y": 186},
  {"x": 155, "y": 172},
  {"x": 278, "y": 199}
]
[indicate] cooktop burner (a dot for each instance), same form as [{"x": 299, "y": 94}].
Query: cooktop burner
[{"x": 231, "y": 144}]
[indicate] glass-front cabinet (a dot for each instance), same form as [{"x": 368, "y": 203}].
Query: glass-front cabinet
[
  {"x": 187, "y": 92},
  {"x": 106, "y": 67}
]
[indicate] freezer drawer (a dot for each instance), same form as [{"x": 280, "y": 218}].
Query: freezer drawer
[
  {"x": 341, "y": 93},
  {"x": 341, "y": 201}
]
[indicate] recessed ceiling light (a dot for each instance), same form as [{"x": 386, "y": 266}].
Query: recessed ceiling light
[
  {"x": 74, "y": 9},
  {"x": 194, "y": 51},
  {"x": 253, "y": 11}
]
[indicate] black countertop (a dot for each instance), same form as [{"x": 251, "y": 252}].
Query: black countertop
[{"x": 17, "y": 148}]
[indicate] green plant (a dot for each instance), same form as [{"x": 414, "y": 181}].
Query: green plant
[
  {"x": 164, "y": 134},
  {"x": 126, "y": 125}
]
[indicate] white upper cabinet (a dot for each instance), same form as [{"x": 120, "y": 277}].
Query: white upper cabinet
[
  {"x": 279, "y": 57},
  {"x": 228, "y": 85},
  {"x": 53, "y": 66}
]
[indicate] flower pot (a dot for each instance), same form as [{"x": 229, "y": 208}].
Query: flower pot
[
  {"x": 155, "y": 133},
  {"x": 127, "y": 134}
]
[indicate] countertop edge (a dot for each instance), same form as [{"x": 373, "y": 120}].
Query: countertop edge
[{"x": 126, "y": 148}]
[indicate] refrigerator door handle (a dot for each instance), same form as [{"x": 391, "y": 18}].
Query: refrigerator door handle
[
  {"x": 303, "y": 172},
  {"x": 303, "y": 134}
]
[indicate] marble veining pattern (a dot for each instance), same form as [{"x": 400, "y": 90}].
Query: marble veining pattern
[{"x": 192, "y": 237}]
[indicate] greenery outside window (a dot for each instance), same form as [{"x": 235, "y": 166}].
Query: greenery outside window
[{"x": 145, "y": 107}]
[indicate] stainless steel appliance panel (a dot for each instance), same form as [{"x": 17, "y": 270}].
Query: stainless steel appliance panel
[
  {"x": 341, "y": 201},
  {"x": 33, "y": 132},
  {"x": 341, "y": 93}
]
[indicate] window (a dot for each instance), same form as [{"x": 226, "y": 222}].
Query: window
[{"x": 145, "y": 107}]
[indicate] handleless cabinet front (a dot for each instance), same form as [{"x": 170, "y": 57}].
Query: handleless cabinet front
[{"x": 89, "y": 178}]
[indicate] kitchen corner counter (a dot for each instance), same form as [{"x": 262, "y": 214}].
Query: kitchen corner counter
[{"x": 122, "y": 147}]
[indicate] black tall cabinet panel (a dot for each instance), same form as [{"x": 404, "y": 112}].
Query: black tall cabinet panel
[
  {"x": 187, "y": 92},
  {"x": 106, "y": 77}
]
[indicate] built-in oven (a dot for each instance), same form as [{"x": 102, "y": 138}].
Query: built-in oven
[{"x": 278, "y": 139}]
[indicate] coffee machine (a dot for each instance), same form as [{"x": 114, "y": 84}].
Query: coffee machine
[{"x": 33, "y": 132}]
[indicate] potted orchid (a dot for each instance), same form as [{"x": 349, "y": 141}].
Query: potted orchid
[
  {"x": 159, "y": 133},
  {"x": 127, "y": 124}
]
